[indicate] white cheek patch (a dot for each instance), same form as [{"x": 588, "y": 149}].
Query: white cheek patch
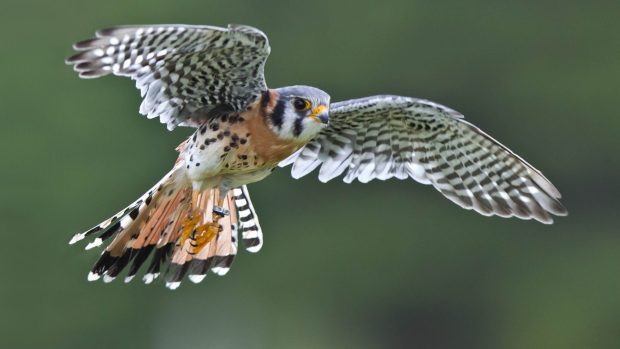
[
  {"x": 288, "y": 124},
  {"x": 310, "y": 129}
]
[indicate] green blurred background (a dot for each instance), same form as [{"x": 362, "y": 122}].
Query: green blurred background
[{"x": 386, "y": 264}]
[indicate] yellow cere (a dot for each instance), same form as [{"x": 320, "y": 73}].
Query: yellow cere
[{"x": 316, "y": 111}]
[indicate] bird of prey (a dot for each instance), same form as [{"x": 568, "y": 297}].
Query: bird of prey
[{"x": 212, "y": 79}]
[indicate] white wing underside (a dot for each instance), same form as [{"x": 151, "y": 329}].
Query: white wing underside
[{"x": 382, "y": 137}]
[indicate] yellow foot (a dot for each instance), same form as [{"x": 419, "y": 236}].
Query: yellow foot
[
  {"x": 200, "y": 235},
  {"x": 203, "y": 234},
  {"x": 189, "y": 225}
]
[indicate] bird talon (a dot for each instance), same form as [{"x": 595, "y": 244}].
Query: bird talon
[
  {"x": 199, "y": 235},
  {"x": 204, "y": 234},
  {"x": 189, "y": 226}
]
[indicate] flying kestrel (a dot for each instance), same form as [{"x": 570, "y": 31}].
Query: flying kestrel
[{"x": 212, "y": 79}]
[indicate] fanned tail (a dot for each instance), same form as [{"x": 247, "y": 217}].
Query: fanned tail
[
  {"x": 125, "y": 218},
  {"x": 152, "y": 227}
]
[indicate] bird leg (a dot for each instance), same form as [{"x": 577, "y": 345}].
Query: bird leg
[
  {"x": 193, "y": 219},
  {"x": 201, "y": 234}
]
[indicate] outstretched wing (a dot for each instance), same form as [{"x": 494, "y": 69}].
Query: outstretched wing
[
  {"x": 390, "y": 136},
  {"x": 183, "y": 72}
]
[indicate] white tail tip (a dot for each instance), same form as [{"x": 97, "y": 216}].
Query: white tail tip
[
  {"x": 149, "y": 277},
  {"x": 93, "y": 276},
  {"x": 220, "y": 271},
  {"x": 76, "y": 238},
  {"x": 94, "y": 243},
  {"x": 197, "y": 278},
  {"x": 254, "y": 249},
  {"x": 173, "y": 285}
]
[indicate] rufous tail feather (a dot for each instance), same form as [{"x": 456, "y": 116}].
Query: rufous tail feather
[{"x": 154, "y": 226}]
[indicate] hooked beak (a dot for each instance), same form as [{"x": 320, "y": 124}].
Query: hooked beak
[{"x": 320, "y": 114}]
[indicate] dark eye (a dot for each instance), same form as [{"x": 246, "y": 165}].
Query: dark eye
[{"x": 301, "y": 104}]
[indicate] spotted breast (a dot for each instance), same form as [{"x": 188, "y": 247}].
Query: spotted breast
[{"x": 232, "y": 149}]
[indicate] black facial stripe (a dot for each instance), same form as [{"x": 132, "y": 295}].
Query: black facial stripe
[
  {"x": 266, "y": 97},
  {"x": 297, "y": 127},
  {"x": 277, "y": 116}
]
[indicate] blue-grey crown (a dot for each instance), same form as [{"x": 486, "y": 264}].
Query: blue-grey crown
[{"x": 304, "y": 91}]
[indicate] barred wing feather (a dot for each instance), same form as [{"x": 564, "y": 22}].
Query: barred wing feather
[
  {"x": 382, "y": 137},
  {"x": 183, "y": 72}
]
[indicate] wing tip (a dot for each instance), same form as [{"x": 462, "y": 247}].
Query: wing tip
[
  {"x": 93, "y": 74},
  {"x": 109, "y": 31},
  {"x": 559, "y": 209},
  {"x": 86, "y": 44},
  {"x": 75, "y": 58}
]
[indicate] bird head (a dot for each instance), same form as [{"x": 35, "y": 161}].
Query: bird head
[{"x": 300, "y": 113}]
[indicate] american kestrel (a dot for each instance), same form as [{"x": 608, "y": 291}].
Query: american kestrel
[{"x": 212, "y": 79}]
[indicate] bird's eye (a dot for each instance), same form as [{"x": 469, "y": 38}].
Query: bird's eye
[{"x": 301, "y": 104}]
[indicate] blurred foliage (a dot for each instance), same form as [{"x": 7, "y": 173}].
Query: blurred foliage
[{"x": 389, "y": 264}]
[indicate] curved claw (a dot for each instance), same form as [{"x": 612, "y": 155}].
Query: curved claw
[
  {"x": 189, "y": 226},
  {"x": 203, "y": 234}
]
